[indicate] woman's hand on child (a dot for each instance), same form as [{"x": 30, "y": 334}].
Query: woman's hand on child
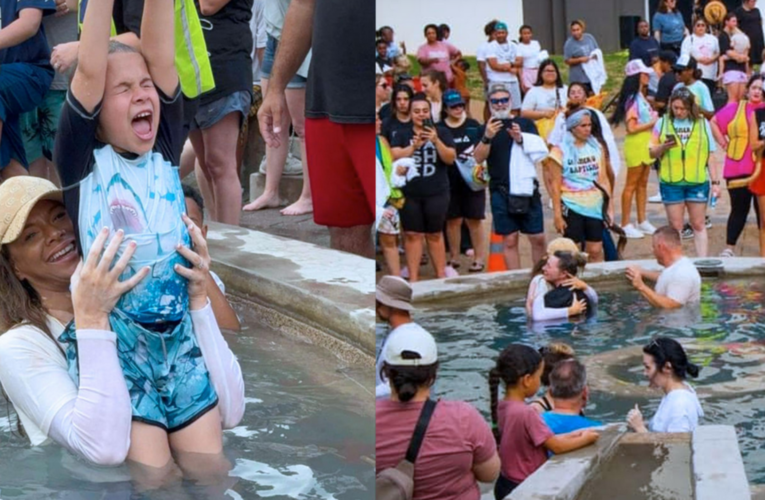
[
  {"x": 200, "y": 260},
  {"x": 575, "y": 284},
  {"x": 64, "y": 56},
  {"x": 96, "y": 287}
]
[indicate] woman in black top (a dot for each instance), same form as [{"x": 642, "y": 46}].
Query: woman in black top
[
  {"x": 400, "y": 117},
  {"x": 750, "y": 22},
  {"x": 427, "y": 195},
  {"x": 464, "y": 203},
  {"x": 735, "y": 65}
]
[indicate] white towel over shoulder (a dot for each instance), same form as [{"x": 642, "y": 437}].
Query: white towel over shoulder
[{"x": 523, "y": 160}]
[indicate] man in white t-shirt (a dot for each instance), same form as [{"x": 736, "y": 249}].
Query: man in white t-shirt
[
  {"x": 678, "y": 284},
  {"x": 501, "y": 65},
  {"x": 394, "y": 305}
]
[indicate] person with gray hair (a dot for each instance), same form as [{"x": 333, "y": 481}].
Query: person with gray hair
[
  {"x": 678, "y": 284},
  {"x": 568, "y": 388},
  {"x": 511, "y": 212}
]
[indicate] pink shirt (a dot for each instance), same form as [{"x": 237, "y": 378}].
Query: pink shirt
[
  {"x": 744, "y": 166},
  {"x": 457, "y": 438},
  {"x": 443, "y": 51},
  {"x": 522, "y": 434}
]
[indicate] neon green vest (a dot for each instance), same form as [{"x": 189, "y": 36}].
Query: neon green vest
[
  {"x": 191, "y": 59},
  {"x": 685, "y": 163}
]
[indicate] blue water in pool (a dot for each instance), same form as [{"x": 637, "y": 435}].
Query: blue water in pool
[
  {"x": 470, "y": 338},
  {"x": 307, "y": 433}
]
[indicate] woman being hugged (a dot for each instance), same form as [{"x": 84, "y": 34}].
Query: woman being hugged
[
  {"x": 634, "y": 109},
  {"x": 682, "y": 141}
]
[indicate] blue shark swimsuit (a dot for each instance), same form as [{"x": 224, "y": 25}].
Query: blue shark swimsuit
[{"x": 162, "y": 363}]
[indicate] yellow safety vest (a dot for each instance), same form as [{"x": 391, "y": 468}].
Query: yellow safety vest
[
  {"x": 738, "y": 133},
  {"x": 191, "y": 58},
  {"x": 685, "y": 162}
]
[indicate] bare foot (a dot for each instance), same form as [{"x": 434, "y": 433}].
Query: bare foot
[
  {"x": 263, "y": 201},
  {"x": 300, "y": 207}
]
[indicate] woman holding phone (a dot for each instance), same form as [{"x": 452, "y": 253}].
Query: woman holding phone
[
  {"x": 682, "y": 141},
  {"x": 427, "y": 193}
]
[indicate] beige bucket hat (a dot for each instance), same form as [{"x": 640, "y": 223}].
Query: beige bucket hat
[
  {"x": 395, "y": 292},
  {"x": 18, "y": 196}
]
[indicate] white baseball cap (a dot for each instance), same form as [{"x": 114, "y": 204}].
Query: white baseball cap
[
  {"x": 637, "y": 66},
  {"x": 415, "y": 347}
]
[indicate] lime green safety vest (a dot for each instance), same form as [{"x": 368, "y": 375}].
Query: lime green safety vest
[
  {"x": 685, "y": 163},
  {"x": 191, "y": 58}
]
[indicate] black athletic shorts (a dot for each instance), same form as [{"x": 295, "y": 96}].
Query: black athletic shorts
[
  {"x": 466, "y": 203},
  {"x": 581, "y": 228},
  {"x": 424, "y": 215}
]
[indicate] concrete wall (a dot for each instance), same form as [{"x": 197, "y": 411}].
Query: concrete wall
[{"x": 466, "y": 18}]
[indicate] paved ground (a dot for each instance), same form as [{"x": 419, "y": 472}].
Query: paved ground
[
  {"x": 748, "y": 244},
  {"x": 300, "y": 227}
]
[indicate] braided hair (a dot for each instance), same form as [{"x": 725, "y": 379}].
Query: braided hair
[{"x": 514, "y": 362}]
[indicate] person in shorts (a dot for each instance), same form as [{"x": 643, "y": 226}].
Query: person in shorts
[
  {"x": 495, "y": 148},
  {"x": 117, "y": 151},
  {"x": 274, "y": 12},
  {"x": 24, "y": 80},
  {"x": 339, "y": 128},
  {"x": 501, "y": 65}
]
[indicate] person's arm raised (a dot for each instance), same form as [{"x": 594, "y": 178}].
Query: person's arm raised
[
  {"x": 158, "y": 44},
  {"x": 90, "y": 77}
]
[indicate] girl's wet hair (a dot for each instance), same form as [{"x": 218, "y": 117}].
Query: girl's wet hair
[
  {"x": 514, "y": 362},
  {"x": 407, "y": 380},
  {"x": 666, "y": 350}
]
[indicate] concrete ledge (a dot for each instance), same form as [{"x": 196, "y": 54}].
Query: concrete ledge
[
  {"x": 495, "y": 285},
  {"x": 329, "y": 290},
  {"x": 718, "y": 469},
  {"x": 290, "y": 187},
  {"x": 562, "y": 477}
]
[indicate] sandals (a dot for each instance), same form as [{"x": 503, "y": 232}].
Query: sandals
[
  {"x": 476, "y": 267},
  {"x": 727, "y": 253},
  {"x": 454, "y": 263}
]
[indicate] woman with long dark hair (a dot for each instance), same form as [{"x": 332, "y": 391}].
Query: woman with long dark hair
[
  {"x": 634, "y": 109},
  {"x": 434, "y": 85},
  {"x": 666, "y": 366},
  {"x": 462, "y": 450},
  {"x": 546, "y": 99},
  {"x": 400, "y": 117}
]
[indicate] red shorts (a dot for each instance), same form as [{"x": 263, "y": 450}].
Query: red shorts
[
  {"x": 341, "y": 169},
  {"x": 757, "y": 186}
]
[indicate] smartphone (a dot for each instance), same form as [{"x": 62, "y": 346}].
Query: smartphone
[
  {"x": 508, "y": 123},
  {"x": 671, "y": 141},
  {"x": 427, "y": 123}
]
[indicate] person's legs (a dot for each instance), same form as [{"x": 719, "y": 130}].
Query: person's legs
[
  {"x": 740, "y": 202},
  {"x": 538, "y": 246},
  {"x": 696, "y": 214},
  {"x": 641, "y": 192},
  {"x": 389, "y": 244},
  {"x": 188, "y": 160},
  {"x": 454, "y": 235},
  {"x": 512, "y": 258},
  {"x": 475, "y": 226},
  {"x": 149, "y": 445},
  {"x": 296, "y": 107},
  {"x": 675, "y": 212},
  {"x": 634, "y": 177},
  {"x": 220, "y": 165},
  {"x": 13, "y": 169},
  {"x": 437, "y": 252},
  {"x": 761, "y": 211},
  {"x": 203, "y": 176},
  {"x": 594, "y": 251},
  {"x": 413, "y": 250},
  {"x": 275, "y": 159}
]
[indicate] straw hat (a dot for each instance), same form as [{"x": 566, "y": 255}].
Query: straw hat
[
  {"x": 18, "y": 196},
  {"x": 715, "y": 12}
]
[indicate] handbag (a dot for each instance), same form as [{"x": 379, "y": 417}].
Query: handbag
[
  {"x": 518, "y": 205},
  {"x": 397, "y": 483}
]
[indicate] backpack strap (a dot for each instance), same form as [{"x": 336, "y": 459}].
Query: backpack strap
[{"x": 419, "y": 430}]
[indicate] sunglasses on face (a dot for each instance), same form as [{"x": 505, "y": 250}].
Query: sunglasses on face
[
  {"x": 457, "y": 106},
  {"x": 501, "y": 100}
]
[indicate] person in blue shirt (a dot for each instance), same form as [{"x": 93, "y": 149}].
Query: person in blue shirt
[
  {"x": 644, "y": 46},
  {"x": 25, "y": 77},
  {"x": 669, "y": 26},
  {"x": 568, "y": 387}
]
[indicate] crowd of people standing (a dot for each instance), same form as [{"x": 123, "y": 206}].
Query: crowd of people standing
[{"x": 690, "y": 95}]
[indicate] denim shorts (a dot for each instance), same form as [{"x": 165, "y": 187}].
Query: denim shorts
[
  {"x": 165, "y": 372},
  {"x": 211, "y": 113},
  {"x": 672, "y": 194},
  {"x": 297, "y": 81},
  {"x": 505, "y": 223}
]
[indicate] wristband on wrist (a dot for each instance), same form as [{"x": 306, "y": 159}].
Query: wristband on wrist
[
  {"x": 485, "y": 140},
  {"x": 715, "y": 183}
]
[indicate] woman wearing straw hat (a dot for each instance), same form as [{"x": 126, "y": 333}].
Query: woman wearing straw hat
[{"x": 38, "y": 261}]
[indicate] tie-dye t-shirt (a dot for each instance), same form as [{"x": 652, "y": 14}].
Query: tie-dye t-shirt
[
  {"x": 581, "y": 168},
  {"x": 141, "y": 195}
]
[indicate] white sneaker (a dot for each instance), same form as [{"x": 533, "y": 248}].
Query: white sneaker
[
  {"x": 631, "y": 232},
  {"x": 655, "y": 198},
  {"x": 646, "y": 227}
]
